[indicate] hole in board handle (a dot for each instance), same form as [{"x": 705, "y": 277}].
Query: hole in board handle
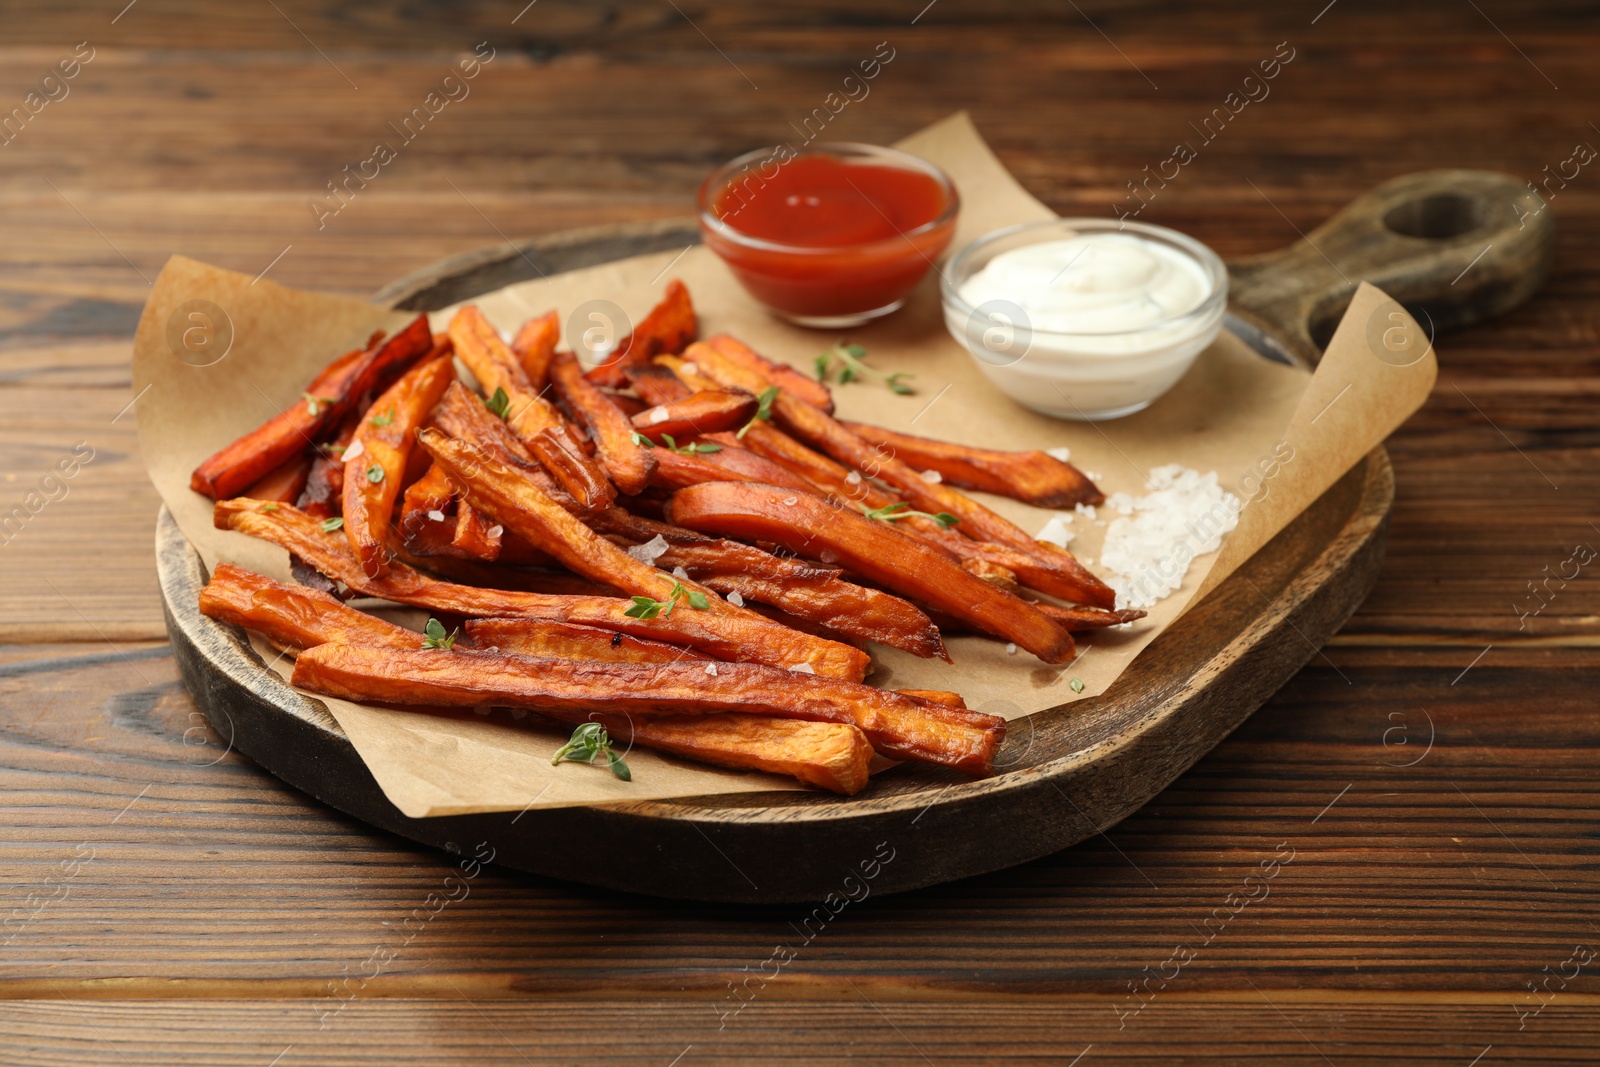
[{"x": 1436, "y": 217}]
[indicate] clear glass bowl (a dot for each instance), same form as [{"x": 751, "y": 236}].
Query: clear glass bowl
[
  {"x": 825, "y": 287},
  {"x": 1089, "y": 375}
]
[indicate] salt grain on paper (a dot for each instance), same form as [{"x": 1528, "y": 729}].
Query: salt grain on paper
[
  {"x": 1064, "y": 454},
  {"x": 803, "y": 668},
  {"x": 1086, "y": 510},
  {"x": 1011, "y": 650},
  {"x": 650, "y": 551},
  {"x": 1148, "y": 551},
  {"x": 1055, "y": 531}
]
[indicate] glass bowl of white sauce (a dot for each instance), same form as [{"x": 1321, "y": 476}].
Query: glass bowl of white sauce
[{"x": 1085, "y": 318}]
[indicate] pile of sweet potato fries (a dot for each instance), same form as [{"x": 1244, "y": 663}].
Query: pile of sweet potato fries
[{"x": 682, "y": 545}]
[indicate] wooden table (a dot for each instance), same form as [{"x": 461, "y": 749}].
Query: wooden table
[{"x": 1423, "y": 793}]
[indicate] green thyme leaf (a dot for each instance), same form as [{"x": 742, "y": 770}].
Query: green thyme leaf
[
  {"x": 385, "y": 419},
  {"x": 1077, "y": 685},
  {"x": 589, "y": 741},
  {"x": 375, "y": 474},
  {"x": 849, "y": 357},
  {"x": 314, "y": 403},
  {"x": 641, "y": 440},
  {"x": 763, "y": 412},
  {"x": 268, "y": 507},
  {"x": 645, "y": 607},
  {"x": 902, "y": 510},
  {"x": 330, "y": 525},
  {"x": 499, "y": 403},
  {"x": 437, "y": 638}
]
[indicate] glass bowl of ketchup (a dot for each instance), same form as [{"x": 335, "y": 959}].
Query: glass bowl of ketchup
[{"x": 831, "y": 236}]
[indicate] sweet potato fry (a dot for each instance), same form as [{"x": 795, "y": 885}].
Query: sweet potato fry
[
  {"x": 375, "y": 462},
  {"x": 1081, "y": 619},
  {"x": 476, "y": 535},
  {"x": 583, "y": 479},
  {"x": 975, "y": 521},
  {"x": 326, "y": 401},
  {"x": 294, "y": 616},
  {"x": 323, "y": 493},
  {"x": 565, "y": 640},
  {"x": 285, "y": 483},
  {"x": 810, "y": 525},
  {"x": 1036, "y": 478},
  {"x": 736, "y": 636},
  {"x": 462, "y": 414},
  {"x": 897, "y": 726},
  {"x": 531, "y": 417},
  {"x": 785, "y": 377},
  {"x": 835, "y": 756},
  {"x": 657, "y": 384},
  {"x": 628, "y": 464},
  {"x": 534, "y": 344},
  {"x": 669, "y": 326},
  {"x": 675, "y": 470},
  {"x": 516, "y": 501},
  {"x": 697, "y": 414},
  {"x": 842, "y": 607}
]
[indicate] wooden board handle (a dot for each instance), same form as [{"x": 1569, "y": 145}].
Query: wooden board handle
[{"x": 1453, "y": 246}]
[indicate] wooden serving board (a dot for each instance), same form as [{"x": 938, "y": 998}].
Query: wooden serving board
[{"x": 1063, "y": 774}]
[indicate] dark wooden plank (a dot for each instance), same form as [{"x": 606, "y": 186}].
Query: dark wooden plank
[
  {"x": 1266, "y": 1026},
  {"x": 1464, "y": 872}
]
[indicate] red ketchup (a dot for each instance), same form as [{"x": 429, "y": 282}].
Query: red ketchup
[{"x": 833, "y": 237}]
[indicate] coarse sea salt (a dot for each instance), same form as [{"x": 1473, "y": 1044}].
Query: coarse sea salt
[
  {"x": 1063, "y": 454},
  {"x": 735, "y": 599},
  {"x": 679, "y": 572},
  {"x": 650, "y": 551},
  {"x": 932, "y": 477},
  {"x": 803, "y": 668},
  {"x": 657, "y": 416},
  {"x": 1149, "y": 548},
  {"x": 1055, "y": 531},
  {"x": 355, "y": 450}
]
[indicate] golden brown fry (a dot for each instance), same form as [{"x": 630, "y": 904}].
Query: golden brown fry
[
  {"x": 293, "y": 616},
  {"x": 1080, "y": 619},
  {"x": 286, "y": 483},
  {"x": 534, "y": 344},
  {"x": 696, "y": 414},
  {"x": 785, "y": 377},
  {"x": 564, "y": 640},
  {"x": 833, "y": 755},
  {"x": 896, "y": 725},
  {"x": 375, "y": 462},
  {"x": 812, "y": 526},
  {"x": 628, "y": 464},
  {"x": 737, "y": 637},
  {"x": 1036, "y": 478},
  {"x": 476, "y": 535},
  {"x": 531, "y": 417},
  {"x": 675, "y": 470},
  {"x": 975, "y": 521},
  {"x": 519, "y": 504},
  {"x": 328, "y": 399},
  {"x": 669, "y": 326}
]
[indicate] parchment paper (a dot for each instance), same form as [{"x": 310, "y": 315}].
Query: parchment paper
[{"x": 1232, "y": 413}]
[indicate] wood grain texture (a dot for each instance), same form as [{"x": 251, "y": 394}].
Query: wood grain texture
[{"x": 1408, "y": 924}]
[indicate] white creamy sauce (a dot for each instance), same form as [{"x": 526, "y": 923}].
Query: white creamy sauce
[
  {"x": 1109, "y": 321},
  {"x": 1094, "y": 283}
]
